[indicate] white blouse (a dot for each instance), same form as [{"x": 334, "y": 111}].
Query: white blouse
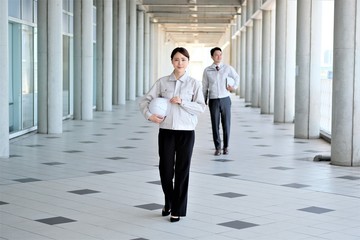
[{"x": 180, "y": 116}]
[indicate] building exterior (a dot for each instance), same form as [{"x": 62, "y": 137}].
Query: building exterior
[{"x": 64, "y": 59}]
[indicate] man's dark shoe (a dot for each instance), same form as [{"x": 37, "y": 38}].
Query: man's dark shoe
[
  {"x": 217, "y": 152},
  {"x": 226, "y": 151}
]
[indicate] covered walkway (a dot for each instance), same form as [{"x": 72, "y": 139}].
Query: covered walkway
[{"x": 99, "y": 180}]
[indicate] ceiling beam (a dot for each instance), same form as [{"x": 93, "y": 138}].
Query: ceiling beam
[{"x": 215, "y": 3}]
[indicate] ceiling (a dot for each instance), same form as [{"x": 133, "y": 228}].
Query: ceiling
[{"x": 193, "y": 21}]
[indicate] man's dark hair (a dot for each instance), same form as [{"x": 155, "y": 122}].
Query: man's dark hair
[{"x": 214, "y": 49}]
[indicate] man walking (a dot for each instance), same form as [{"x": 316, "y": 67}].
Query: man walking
[{"x": 219, "y": 80}]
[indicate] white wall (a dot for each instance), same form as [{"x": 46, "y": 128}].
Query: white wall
[{"x": 200, "y": 56}]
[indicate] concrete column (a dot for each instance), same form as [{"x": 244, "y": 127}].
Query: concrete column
[
  {"x": 243, "y": 64},
  {"x": 243, "y": 52},
  {"x": 249, "y": 51},
  {"x": 249, "y": 9},
  {"x": 119, "y": 52},
  {"x": 147, "y": 54},
  {"x": 308, "y": 61},
  {"x": 115, "y": 53},
  {"x": 4, "y": 83},
  {"x": 50, "y": 74},
  {"x": 285, "y": 49},
  {"x": 233, "y": 47},
  {"x": 345, "y": 128},
  {"x": 249, "y": 63},
  {"x": 238, "y": 52},
  {"x": 257, "y": 4},
  {"x": 140, "y": 53},
  {"x": 104, "y": 55},
  {"x": 267, "y": 62},
  {"x": 122, "y": 35},
  {"x": 83, "y": 60},
  {"x": 154, "y": 73},
  {"x": 132, "y": 51},
  {"x": 238, "y": 47},
  {"x": 256, "y": 82}
]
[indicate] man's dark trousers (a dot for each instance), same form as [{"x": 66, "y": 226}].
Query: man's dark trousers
[{"x": 220, "y": 109}]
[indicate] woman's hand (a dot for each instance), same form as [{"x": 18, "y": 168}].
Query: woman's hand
[
  {"x": 176, "y": 100},
  {"x": 156, "y": 118}
]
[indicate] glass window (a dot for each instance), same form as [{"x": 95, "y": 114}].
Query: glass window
[
  {"x": 22, "y": 72},
  {"x": 14, "y": 8},
  {"x": 35, "y": 78},
  {"x": 94, "y": 24},
  {"x": 66, "y": 75},
  {"x": 27, "y": 77},
  {"x": 71, "y": 6},
  {"x": 35, "y": 11},
  {"x": 15, "y": 96},
  {"x": 65, "y": 20},
  {"x": 66, "y": 5},
  {"x": 27, "y": 10},
  {"x": 94, "y": 74},
  {"x": 327, "y": 29},
  {"x": 71, "y": 24}
]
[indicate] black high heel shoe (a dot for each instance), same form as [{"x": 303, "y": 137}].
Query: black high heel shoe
[
  {"x": 174, "y": 218},
  {"x": 165, "y": 213}
]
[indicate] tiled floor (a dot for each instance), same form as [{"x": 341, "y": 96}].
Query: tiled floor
[{"x": 99, "y": 180}]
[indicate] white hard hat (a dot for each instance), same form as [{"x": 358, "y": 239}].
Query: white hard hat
[{"x": 159, "y": 106}]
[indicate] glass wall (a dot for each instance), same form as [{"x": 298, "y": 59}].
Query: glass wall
[
  {"x": 66, "y": 75},
  {"x": 27, "y": 77},
  {"x": 68, "y": 45},
  {"x": 15, "y": 107},
  {"x": 94, "y": 53},
  {"x": 22, "y": 61},
  {"x": 327, "y": 28}
]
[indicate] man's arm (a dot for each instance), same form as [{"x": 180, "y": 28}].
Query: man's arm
[{"x": 205, "y": 86}]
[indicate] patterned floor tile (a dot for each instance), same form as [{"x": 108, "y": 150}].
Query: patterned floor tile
[
  {"x": 238, "y": 224},
  {"x": 55, "y": 220},
  {"x": 317, "y": 210}
]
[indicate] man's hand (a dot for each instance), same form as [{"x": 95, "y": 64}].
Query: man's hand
[{"x": 230, "y": 88}]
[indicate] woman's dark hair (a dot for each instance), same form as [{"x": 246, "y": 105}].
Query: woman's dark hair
[
  {"x": 214, "y": 49},
  {"x": 181, "y": 50}
]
